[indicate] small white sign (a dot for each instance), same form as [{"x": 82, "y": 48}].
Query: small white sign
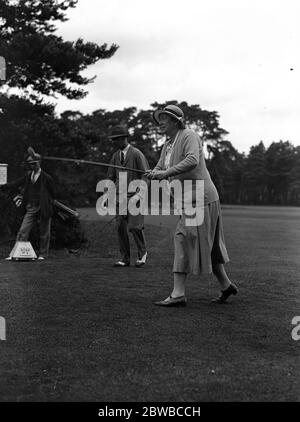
[
  {"x": 3, "y": 174},
  {"x": 23, "y": 251}
]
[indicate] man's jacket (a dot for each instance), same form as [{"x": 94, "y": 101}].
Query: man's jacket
[{"x": 47, "y": 192}]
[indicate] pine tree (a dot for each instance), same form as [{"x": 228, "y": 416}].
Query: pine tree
[{"x": 38, "y": 62}]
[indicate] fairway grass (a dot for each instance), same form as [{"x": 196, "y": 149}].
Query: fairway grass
[{"x": 79, "y": 329}]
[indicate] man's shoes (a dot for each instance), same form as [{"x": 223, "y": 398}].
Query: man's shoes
[
  {"x": 41, "y": 258},
  {"x": 121, "y": 264},
  {"x": 172, "y": 301},
  {"x": 231, "y": 290},
  {"x": 140, "y": 262},
  {"x": 9, "y": 258}
]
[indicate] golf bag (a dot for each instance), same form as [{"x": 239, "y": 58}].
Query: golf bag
[{"x": 66, "y": 230}]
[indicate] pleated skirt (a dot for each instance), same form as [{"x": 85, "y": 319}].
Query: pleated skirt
[{"x": 197, "y": 248}]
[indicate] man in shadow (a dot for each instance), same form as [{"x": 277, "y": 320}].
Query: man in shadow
[{"x": 37, "y": 202}]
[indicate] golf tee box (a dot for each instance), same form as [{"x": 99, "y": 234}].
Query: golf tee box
[{"x": 23, "y": 251}]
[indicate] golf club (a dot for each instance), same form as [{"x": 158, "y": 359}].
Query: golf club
[{"x": 34, "y": 155}]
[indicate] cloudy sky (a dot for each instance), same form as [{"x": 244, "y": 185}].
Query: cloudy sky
[{"x": 238, "y": 57}]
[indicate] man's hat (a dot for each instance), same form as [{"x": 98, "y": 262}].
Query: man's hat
[
  {"x": 171, "y": 110},
  {"x": 32, "y": 156},
  {"x": 119, "y": 131},
  {"x": 31, "y": 160}
]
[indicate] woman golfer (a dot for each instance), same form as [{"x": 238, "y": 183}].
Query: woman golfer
[{"x": 198, "y": 249}]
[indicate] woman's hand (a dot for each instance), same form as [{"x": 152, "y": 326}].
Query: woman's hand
[
  {"x": 149, "y": 174},
  {"x": 156, "y": 174}
]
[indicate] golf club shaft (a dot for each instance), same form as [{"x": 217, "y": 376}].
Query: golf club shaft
[{"x": 94, "y": 163}]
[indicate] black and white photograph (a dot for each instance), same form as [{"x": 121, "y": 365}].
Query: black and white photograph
[{"x": 149, "y": 206}]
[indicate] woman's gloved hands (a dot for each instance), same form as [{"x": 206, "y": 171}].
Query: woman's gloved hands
[{"x": 156, "y": 174}]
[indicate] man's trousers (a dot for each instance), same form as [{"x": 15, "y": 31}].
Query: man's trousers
[
  {"x": 138, "y": 234},
  {"x": 30, "y": 218}
]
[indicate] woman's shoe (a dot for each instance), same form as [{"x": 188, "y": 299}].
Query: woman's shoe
[
  {"x": 172, "y": 301},
  {"x": 231, "y": 290}
]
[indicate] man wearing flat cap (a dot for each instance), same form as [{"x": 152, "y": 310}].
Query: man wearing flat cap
[
  {"x": 128, "y": 156},
  {"x": 37, "y": 203}
]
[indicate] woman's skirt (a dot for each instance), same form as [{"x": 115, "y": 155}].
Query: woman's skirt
[{"x": 197, "y": 248}]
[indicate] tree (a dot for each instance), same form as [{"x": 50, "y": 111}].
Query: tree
[
  {"x": 225, "y": 165},
  {"x": 20, "y": 124},
  {"x": 38, "y": 61},
  {"x": 254, "y": 179},
  {"x": 294, "y": 188},
  {"x": 280, "y": 160},
  {"x": 40, "y": 66}
]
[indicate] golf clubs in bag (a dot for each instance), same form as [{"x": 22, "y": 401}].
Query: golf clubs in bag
[{"x": 66, "y": 229}]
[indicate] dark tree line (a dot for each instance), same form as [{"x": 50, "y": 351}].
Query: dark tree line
[{"x": 266, "y": 176}]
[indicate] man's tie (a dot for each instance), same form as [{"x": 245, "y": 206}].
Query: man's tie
[{"x": 122, "y": 157}]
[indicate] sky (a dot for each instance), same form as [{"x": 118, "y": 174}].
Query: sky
[{"x": 240, "y": 58}]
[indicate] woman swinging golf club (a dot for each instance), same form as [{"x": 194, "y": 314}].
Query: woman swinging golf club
[{"x": 198, "y": 249}]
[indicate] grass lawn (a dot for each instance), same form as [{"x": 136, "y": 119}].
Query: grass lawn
[{"x": 80, "y": 330}]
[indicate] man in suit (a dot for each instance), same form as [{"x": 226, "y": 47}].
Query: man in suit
[
  {"x": 37, "y": 203},
  {"x": 128, "y": 156}
]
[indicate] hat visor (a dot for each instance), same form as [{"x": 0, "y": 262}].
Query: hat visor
[{"x": 156, "y": 116}]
